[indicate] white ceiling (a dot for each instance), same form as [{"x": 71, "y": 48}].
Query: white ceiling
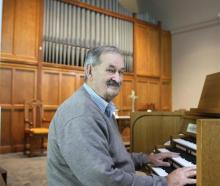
[{"x": 177, "y": 14}]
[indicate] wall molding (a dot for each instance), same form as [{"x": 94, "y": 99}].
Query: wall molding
[{"x": 197, "y": 26}]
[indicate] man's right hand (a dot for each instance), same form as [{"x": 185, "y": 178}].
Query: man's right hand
[{"x": 182, "y": 176}]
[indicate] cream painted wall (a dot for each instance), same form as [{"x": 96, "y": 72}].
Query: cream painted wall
[{"x": 194, "y": 55}]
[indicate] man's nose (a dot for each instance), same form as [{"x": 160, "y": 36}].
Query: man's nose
[{"x": 117, "y": 77}]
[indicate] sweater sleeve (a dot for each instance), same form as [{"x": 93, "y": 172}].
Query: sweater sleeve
[
  {"x": 84, "y": 146},
  {"x": 139, "y": 159}
]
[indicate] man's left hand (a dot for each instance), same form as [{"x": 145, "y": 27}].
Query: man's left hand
[{"x": 158, "y": 159}]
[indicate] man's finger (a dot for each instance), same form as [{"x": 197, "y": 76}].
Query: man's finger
[
  {"x": 191, "y": 181},
  {"x": 169, "y": 155},
  {"x": 165, "y": 164},
  {"x": 191, "y": 173}
]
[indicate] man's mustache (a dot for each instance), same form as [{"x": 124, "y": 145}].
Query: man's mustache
[{"x": 113, "y": 83}]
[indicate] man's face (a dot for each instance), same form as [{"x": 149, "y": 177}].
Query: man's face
[{"x": 107, "y": 77}]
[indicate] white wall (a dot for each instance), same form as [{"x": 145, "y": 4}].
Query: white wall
[{"x": 194, "y": 55}]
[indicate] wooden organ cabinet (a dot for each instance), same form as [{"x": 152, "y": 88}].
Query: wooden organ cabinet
[
  {"x": 44, "y": 43},
  {"x": 195, "y": 135}
]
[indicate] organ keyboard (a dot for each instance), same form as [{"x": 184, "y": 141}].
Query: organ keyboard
[
  {"x": 187, "y": 155},
  {"x": 195, "y": 135}
]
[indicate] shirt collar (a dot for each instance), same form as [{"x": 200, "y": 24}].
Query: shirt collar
[{"x": 104, "y": 106}]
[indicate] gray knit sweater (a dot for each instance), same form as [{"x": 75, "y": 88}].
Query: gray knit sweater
[{"x": 85, "y": 148}]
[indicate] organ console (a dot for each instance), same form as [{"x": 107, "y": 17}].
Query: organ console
[{"x": 195, "y": 135}]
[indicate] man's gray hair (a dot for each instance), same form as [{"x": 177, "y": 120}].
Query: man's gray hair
[{"x": 93, "y": 55}]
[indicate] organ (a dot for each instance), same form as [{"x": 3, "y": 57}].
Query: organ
[{"x": 194, "y": 134}]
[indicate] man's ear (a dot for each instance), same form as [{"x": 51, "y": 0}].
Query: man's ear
[{"x": 89, "y": 71}]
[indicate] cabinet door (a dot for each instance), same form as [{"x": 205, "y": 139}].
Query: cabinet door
[{"x": 147, "y": 50}]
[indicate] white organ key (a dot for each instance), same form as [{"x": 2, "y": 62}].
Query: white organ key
[
  {"x": 163, "y": 150},
  {"x": 183, "y": 162},
  {"x": 178, "y": 159},
  {"x": 186, "y": 143},
  {"x": 160, "y": 171}
]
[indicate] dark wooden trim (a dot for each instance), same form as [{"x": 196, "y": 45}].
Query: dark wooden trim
[
  {"x": 60, "y": 66},
  {"x": 18, "y": 59}
]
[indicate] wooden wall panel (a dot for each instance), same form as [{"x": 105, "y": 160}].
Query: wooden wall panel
[
  {"x": 8, "y": 26},
  {"x": 68, "y": 85},
  {"x": 147, "y": 50},
  {"x": 122, "y": 101},
  {"x": 118, "y": 101},
  {"x": 17, "y": 128},
  {"x": 142, "y": 51},
  {"x": 154, "y": 93},
  {"x": 166, "y": 54},
  {"x": 6, "y": 85},
  {"x": 148, "y": 92},
  {"x": 18, "y": 83},
  {"x": 166, "y": 95},
  {"x": 6, "y": 118},
  {"x": 50, "y": 88},
  {"x": 48, "y": 115},
  {"x": 142, "y": 92},
  {"x": 25, "y": 83},
  {"x": 21, "y": 29},
  {"x": 128, "y": 86},
  {"x": 208, "y": 152},
  {"x": 80, "y": 80},
  {"x": 154, "y": 45},
  {"x": 58, "y": 85}
]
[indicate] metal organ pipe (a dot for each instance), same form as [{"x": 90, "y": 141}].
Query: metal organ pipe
[{"x": 69, "y": 31}]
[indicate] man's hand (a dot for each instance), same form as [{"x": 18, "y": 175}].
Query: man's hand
[
  {"x": 157, "y": 159},
  {"x": 182, "y": 176}
]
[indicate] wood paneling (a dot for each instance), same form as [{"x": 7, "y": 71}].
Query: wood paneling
[
  {"x": 208, "y": 152},
  {"x": 17, "y": 127},
  {"x": 80, "y": 80},
  {"x": 25, "y": 80},
  {"x": 6, "y": 85},
  {"x": 21, "y": 29},
  {"x": 6, "y": 118},
  {"x": 18, "y": 83},
  {"x": 141, "y": 50},
  {"x": 166, "y": 95},
  {"x": 50, "y": 88},
  {"x": 147, "y": 50},
  {"x": 128, "y": 86},
  {"x": 122, "y": 101},
  {"x": 166, "y": 54},
  {"x": 142, "y": 92},
  {"x": 8, "y": 26},
  {"x": 154, "y": 93},
  {"x": 118, "y": 101},
  {"x": 68, "y": 85},
  {"x": 148, "y": 92},
  {"x": 58, "y": 85},
  {"x": 151, "y": 129}
]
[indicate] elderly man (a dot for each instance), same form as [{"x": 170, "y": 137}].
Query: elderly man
[{"x": 84, "y": 145}]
